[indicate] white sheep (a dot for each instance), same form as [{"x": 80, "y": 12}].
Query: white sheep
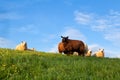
[
  {"x": 88, "y": 52},
  {"x": 22, "y": 46},
  {"x": 99, "y": 53}
]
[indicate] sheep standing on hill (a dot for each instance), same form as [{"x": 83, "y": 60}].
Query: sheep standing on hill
[
  {"x": 99, "y": 53},
  {"x": 22, "y": 46},
  {"x": 69, "y": 46}
]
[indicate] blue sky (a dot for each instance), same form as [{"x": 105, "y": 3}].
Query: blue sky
[{"x": 41, "y": 23}]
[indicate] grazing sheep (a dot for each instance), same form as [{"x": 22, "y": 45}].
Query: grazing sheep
[
  {"x": 22, "y": 46},
  {"x": 88, "y": 54},
  {"x": 99, "y": 53},
  {"x": 69, "y": 46}
]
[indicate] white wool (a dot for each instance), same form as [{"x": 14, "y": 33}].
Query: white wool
[
  {"x": 89, "y": 52},
  {"x": 100, "y": 53},
  {"x": 22, "y": 46}
]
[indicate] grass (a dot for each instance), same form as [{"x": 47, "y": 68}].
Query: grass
[{"x": 28, "y": 65}]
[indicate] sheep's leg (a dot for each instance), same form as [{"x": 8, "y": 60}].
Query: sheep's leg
[
  {"x": 66, "y": 53},
  {"x": 60, "y": 52},
  {"x": 81, "y": 53},
  {"x": 69, "y": 53}
]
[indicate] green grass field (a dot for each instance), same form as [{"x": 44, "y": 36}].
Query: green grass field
[{"x": 28, "y": 65}]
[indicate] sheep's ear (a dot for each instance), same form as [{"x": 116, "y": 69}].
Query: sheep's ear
[
  {"x": 102, "y": 49},
  {"x": 90, "y": 51},
  {"x": 62, "y": 37},
  {"x": 99, "y": 49},
  {"x": 67, "y": 37}
]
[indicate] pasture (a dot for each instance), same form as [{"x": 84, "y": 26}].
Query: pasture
[{"x": 32, "y": 65}]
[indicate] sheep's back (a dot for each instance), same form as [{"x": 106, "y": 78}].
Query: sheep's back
[{"x": 75, "y": 45}]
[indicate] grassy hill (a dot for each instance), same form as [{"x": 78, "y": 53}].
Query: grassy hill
[{"x": 28, "y": 65}]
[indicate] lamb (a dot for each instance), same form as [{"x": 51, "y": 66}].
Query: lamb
[
  {"x": 22, "y": 46},
  {"x": 87, "y": 51},
  {"x": 88, "y": 54},
  {"x": 99, "y": 53}
]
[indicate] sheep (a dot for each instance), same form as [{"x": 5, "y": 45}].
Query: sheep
[
  {"x": 99, "y": 53},
  {"x": 69, "y": 46},
  {"x": 22, "y": 46},
  {"x": 88, "y": 54}
]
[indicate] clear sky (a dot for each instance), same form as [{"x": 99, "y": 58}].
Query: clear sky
[{"x": 41, "y": 23}]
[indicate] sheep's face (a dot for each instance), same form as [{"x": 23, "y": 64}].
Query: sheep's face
[
  {"x": 101, "y": 50},
  {"x": 24, "y": 44},
  {"x": 64, "y": 39},
  {"x": 89, "y": 51}
]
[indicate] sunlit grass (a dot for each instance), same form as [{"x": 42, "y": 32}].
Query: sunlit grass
[{"x": 30, "y": 65}]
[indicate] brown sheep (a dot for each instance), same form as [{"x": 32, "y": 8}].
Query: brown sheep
[
  {"x": 22, "y": 46},
  {"x": 99, "y": 53},
  {"x": 70, "y": 46}
]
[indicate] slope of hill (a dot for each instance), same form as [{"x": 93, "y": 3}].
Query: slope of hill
[{"x": 29, "y": 65}]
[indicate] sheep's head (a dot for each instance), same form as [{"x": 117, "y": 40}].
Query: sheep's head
[
  {"x": 24, "y": 44},
  {"x": 89, "y": 51},
  {"x": 64, "y": 39},
  {"x": 101, "y": 50}
]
